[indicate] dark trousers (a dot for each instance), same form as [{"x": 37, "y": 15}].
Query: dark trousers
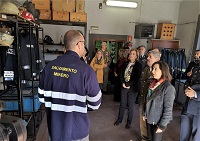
[
  {"x": 152, "y": 133},
  {"x": 117, "y": 90},
  {"x": 127, "y": 99},
  {"x": 190, "y": 126},
  {"x": 143, "y": 124},
  {"x": 105, "y": 78}
]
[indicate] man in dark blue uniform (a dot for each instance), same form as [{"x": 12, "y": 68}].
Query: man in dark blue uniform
[
  {"x": 190, "y": 117},
  {"x": 142, "y": 55},
  {"x": 68, "y": 87}
]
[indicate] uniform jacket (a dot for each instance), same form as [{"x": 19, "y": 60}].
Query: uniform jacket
[
  {"x": 68, "y": 87},
  {"x": 143, "y": 60},
  {"x": 145, "y": 82},
  {"x": 195, "y": 77},
  {"x": 98, "y": 68},
  {"x": 176, "y": 60},
  {"x": 135, "y": 76},
  {"x": 107, "y": 60},
  {"x": 189, "y": 68},
  {"x": 160, "y": 104},
  {"x": 194, "y": 103},
  {"x": 193, "y": 82}
]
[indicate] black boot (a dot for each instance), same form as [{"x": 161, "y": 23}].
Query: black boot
[
  {"x": 128, "y": 126},
  {"x": 117, "y": 122},
  {"x": 137, "y": 101}
]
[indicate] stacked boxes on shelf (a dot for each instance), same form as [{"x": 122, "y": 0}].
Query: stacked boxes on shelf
[
  {"x": 61, "y": 9},
  {"x": 70, "y": 10},
  {"x": 44, "y": 7},
  {"x": 165, "y": 31},
  {"x": 79, "y": 15}
]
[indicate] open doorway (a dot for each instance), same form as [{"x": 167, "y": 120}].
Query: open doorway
[
  {"x": 113, "y": 46},
  {"x": 114, "y": 43}
]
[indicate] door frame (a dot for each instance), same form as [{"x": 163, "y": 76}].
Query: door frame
[{"x": 103, "y": 37}]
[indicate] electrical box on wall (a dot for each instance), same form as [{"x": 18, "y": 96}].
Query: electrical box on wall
[{"x": 144, "y": 31}]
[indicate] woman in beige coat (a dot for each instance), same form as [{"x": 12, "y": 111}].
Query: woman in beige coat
[{"x": 97, "y": 64}]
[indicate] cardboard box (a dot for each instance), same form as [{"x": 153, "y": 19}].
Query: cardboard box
[
  {"x": 42, "y": 4},
  {"x": 45, "y": 14},
  {"x": 63, "y": 5},
  {"x": 165, "y": 31},
  {"x": 80, "y": 6},
  {"x": 78, "y": 17},
  {"x": 60, "y": 15}
]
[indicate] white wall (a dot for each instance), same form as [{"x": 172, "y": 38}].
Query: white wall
[
  {"x": 55, "y": 31},
  {"x": 121, "y": 21},
  {"x": 187, "y": 22}
]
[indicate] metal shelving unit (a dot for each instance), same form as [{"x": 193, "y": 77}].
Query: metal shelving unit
[
  {"x": 51, "y": 56},
  {"x": 16, "y": 22}
]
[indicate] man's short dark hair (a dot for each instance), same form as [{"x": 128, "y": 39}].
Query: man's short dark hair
[
  {"x": 71, "y": 38},
  {"x": 141, "y": 46}
]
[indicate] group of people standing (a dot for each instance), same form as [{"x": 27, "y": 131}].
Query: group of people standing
[
  {"x": 148, "y": 78},
  {"x": 156, "y": 94},
  {"x": 69, "y": 88}
]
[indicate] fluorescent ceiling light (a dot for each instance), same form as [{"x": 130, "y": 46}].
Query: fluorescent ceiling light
[{"x": 121, "y": 3}]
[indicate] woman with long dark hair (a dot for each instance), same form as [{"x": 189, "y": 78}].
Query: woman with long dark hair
[{"x": 159, "y": 101}]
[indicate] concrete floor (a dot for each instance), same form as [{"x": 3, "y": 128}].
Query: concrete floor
[{"x": 102, "y": 128}]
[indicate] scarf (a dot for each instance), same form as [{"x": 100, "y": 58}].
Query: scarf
[
  {"x": 98, "y": 61},
  {"x": 154, "y": 84},
  {"x": 128, "y": 71}
]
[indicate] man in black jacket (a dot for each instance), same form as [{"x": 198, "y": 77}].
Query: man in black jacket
[{"x": 191, "y": 65}]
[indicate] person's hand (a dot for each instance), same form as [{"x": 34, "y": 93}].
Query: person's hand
[
  {"x": 189, "y": 92},
  {"x": 158, "y": 130},
  {"x": 115, "y": 74},
  {"x": 124, "y": 86},
  {"x": 105, "y": 65},
  {"x": 189, "y": 73},
  {"x": 144, "y": 118}
]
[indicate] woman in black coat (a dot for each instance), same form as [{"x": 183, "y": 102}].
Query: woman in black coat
[{"x": 130, "y": 77}]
